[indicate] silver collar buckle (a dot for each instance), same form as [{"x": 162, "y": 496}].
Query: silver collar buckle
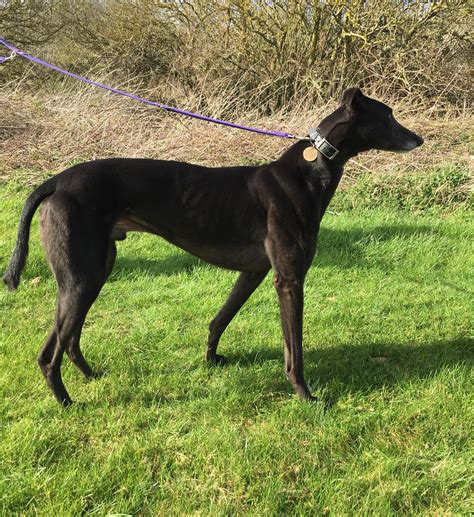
[{"x": 321, "y": 144}]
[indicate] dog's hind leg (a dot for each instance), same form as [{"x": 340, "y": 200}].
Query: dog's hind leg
[
  {"x": 73, "y": 349},
  {"x": 110, "y": 259},
  {"x": 72, "y": 307},
  {"x": 76, "y": 246},
  {"x": 74, "y": 353},
  {"x": 244, "y": 287}
]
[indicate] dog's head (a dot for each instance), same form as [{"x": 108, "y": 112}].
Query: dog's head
[
  {"x": 374, "y": 124},
  {"x": 362, "y": 123}
]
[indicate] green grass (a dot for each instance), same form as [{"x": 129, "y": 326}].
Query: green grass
[
  {"x": 388, "y": 349},
  {"x": 447, "y": 187}
]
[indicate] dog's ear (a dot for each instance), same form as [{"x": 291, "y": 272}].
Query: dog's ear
[{"x": 353, "y": 98}]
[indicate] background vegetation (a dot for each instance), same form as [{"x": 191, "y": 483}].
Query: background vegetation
[
  {"x": 277, "y": 65},
  {"x": 269, "y": 53}
]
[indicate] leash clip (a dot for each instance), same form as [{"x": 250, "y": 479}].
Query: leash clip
[
  {"x": 3, "y": 59},
  {"x": 321, "y": 144}
]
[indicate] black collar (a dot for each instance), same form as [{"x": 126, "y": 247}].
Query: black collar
[{"x": 321, "y": 144}]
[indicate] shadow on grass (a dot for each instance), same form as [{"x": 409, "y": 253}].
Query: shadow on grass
[
  {"x": 168, "y": 266},
  {"x": 332, "y": 372},
  {"x": 344, "y": 248},
  {"x": 362, "y": 369}
]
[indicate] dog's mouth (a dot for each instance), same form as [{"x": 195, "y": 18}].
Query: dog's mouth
[
  {"x": 410, "y": 145},
  {"x": 406, "y": 148}
]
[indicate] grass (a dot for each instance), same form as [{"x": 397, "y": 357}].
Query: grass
[
  {"x": 388, "y": 348},
  {"x": 446, "y": 187}
]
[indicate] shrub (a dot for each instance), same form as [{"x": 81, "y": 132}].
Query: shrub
[{"x": 271, "y": 53}]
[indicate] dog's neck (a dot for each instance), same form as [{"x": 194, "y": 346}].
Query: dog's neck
[{"x": 339, "y": 131}]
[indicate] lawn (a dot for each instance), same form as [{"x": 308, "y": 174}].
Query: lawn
[{"x": 388, "y": 339}]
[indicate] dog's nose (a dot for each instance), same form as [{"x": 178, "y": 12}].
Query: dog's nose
[{"x": 419, "y": 140}]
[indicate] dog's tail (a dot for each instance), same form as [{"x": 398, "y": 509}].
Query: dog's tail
[{"x": 17, "y": 262}]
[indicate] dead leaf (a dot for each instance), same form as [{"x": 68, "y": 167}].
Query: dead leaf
[{"x": 379, "y": 360}]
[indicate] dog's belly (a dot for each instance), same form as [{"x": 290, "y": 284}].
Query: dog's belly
[
  {"x": 246, "y": 257},
  {"x": 238, "y": 256}
]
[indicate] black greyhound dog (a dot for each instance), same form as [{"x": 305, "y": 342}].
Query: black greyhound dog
[{"x": 249, "y": 219}]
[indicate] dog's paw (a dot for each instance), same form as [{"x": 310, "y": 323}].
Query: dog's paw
[
  {"x": 66, "y": 402},
  {"x": 216, "y": 360},
  {"x": 96, "y": 374}
]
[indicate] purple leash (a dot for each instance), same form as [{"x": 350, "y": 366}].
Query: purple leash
[{"x": 16, "y": 51}]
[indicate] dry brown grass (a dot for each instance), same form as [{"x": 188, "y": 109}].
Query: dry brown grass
[{"x": 42, "y": 132}]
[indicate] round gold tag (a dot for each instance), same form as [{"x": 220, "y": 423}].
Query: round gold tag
[{"x": 310, "y": 154}]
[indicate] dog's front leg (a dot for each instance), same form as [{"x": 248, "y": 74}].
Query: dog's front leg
[
  {"x": 290, "y": 261},
  {"x": 290, "y": 296},
  {"x": 244, "y": 287}
]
